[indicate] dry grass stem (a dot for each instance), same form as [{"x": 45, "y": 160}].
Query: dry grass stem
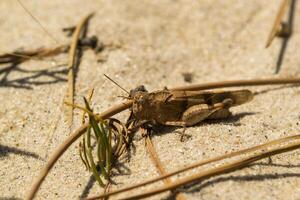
[
  {"x": 158, "y": 164},
  {"x": 225, "y": 168},
  {"x": 277, "y": 26},
  {"x": 261, "y": 147},
  {"x": 238, "y": 83},
  {"x": 71, "y": 65},
  {"x": 35, "y": 54}
]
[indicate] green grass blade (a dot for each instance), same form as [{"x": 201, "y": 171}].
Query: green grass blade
[
  {"x": 101, "y": 160},
  {"x": 82, "y": 156},
  {"x": 94, "y": 168},
  {"x": 109, "y": 152},
  {"x": 84, "y": 151}
]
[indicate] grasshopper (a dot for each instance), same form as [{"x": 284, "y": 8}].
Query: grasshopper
[{"x": 184, "y": 108}]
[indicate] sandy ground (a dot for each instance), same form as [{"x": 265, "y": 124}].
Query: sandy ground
[{"x": 213, "y": 40}]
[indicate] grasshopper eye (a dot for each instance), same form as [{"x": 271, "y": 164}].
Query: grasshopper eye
[{"x": 141, "y": 100}]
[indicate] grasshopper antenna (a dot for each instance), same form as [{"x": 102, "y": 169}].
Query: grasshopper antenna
[{"x": 116, "y": 83}]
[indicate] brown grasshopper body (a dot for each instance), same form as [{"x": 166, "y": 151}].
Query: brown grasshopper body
[{"x": 185, "y": 108}]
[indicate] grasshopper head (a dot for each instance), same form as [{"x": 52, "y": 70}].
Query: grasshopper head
[
  {"x": 136, "y": 90},
  {"x": 140, "y": 99}
]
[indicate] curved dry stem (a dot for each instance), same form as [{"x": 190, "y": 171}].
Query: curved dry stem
[
  {"x": 225, "y": 168},
  {"x": 159, "y": 165},
  {"x": 151, "y": 150},
  {"x": 71, "y": 63},
  {"x": 36, "y": 54},
  {"x": 201, "y": 163},
  {"x": 237, "y": 83},
  {"x": 65, "y": 145}
]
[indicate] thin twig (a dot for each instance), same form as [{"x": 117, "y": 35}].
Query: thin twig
[
  {"x": 155, "y": 159},
  {"x": 277, "y": 23},
  {"x": 159, "y": 166},
  {"x": 222, "y": 169},
  {"x": 71, "y": 63},
  {"x": 238, "y": 83},
  {"x": 201, "y": 163},
  {"x": 35, "y": 54},
  {"x": 225, "y": 168}
]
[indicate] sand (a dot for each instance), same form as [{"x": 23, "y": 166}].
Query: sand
[{"x": 161, "y": 40}]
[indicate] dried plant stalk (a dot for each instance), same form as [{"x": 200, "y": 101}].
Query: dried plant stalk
[
  {"x": 238, "y": 83},
  {"x": 277, "y": 26},
  {"x": 159, "y": 166},
  {"x": 225, "y": 168},
  {"x": 71, "y": 63},
  {"x": 264, "y": 152},
  {"x": 35, "y": 54}
]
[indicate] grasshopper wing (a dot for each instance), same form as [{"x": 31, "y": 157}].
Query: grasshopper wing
[{"x": 190, "y": 98}]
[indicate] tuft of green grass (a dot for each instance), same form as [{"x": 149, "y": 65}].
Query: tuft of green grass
[
  {"x": 95, "y": 148},
  {"x": 103, "y": 143}
]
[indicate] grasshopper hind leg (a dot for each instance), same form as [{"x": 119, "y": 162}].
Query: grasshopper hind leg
[
  {"x": 194, "y": 115},
  {"x": 197, "y": 113}
]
